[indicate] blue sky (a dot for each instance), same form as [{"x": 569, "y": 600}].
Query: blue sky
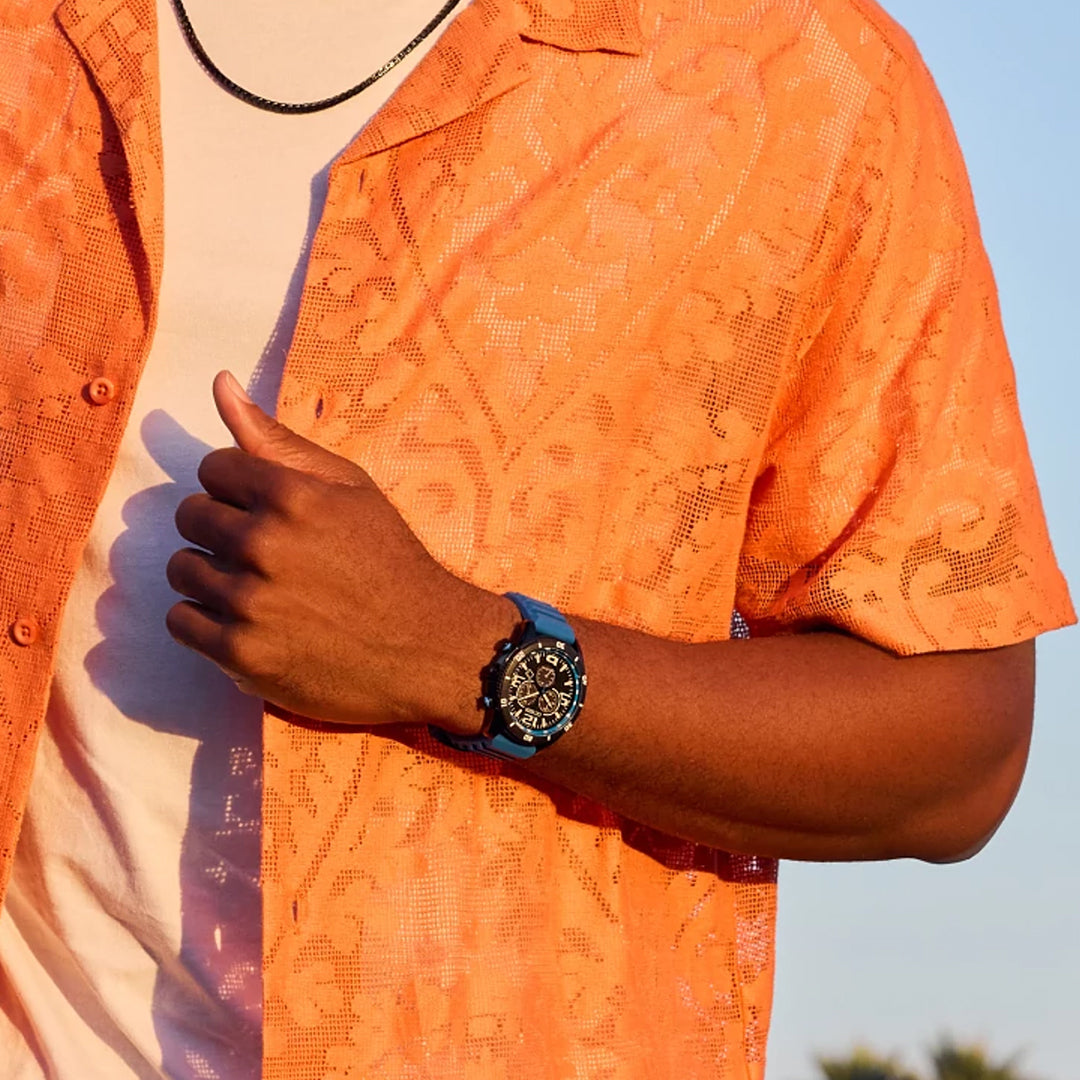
[{"x": 893, "y": 954}]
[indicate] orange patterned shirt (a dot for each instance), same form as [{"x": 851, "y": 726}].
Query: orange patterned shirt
[{"x": 650, "y": 309}]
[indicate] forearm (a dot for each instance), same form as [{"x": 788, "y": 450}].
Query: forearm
[{"x": 816, "y": 746}]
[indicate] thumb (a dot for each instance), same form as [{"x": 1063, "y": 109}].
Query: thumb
[{"x": 263, "y": 436}]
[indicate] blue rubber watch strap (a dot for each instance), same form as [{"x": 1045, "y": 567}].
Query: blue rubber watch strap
[
  {"x": 498, "y": 746},
  {"x": 549, "y": 621}
]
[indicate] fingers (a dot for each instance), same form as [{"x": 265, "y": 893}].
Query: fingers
[
  {"x": 224, "y": 592},
  {"x": 219, "y": 640},
  {"x": 196, "y": 627},
  {"x": 217, "y": 526},
  {"x": 234, "y": 476},
  {"x": 219, "y": 618}
]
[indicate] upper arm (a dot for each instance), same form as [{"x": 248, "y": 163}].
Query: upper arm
[{"x": 895, "y": 498}]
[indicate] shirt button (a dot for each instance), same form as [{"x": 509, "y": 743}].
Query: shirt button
[
  {"x": 101, "y": 390},
  {"x": 24, "y": 630}
]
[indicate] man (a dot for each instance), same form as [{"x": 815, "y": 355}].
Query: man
[{"x": 643, "y": 313}]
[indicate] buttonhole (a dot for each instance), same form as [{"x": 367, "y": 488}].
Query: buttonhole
[
  {"x": 295, "y": 911},
  {"x": 318, "y": 408}
]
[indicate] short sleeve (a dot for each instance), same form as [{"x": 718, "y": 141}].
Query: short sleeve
[{"x": 896, "y": 498}]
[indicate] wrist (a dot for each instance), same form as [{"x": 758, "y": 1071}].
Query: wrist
[{"x": 474, "y": 623}]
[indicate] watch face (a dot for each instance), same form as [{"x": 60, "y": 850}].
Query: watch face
[{"x": 541, "y": 690}]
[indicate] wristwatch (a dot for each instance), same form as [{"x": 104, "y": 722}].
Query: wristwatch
[{"x": 533, "y": 689}]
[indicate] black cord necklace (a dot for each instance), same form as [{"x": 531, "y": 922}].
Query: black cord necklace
[{"x": 299, "y": 107}]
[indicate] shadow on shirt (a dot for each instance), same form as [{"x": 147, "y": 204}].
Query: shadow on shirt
[
  {"x": 207, "y": 999},
  {"x": 207, "y": 1005}
]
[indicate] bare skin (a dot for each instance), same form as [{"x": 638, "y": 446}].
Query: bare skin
[{"x": 307, "y": 587}]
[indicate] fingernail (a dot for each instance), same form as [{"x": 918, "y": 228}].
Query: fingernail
[{"x": 236, "y": 388}]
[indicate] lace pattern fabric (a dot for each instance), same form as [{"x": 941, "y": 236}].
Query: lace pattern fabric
[{"x": 650, "y": 311}]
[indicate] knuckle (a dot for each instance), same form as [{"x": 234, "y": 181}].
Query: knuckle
[
  {"x": 242, "y": 650},
  {"x": 293, "y": 494},
  {"x": 276, "y": 435},
  {"x": 245, "y": 597},
  {"x": 233, "y": 648},
  {"x": 275, "y": 432},
  {"x": 256, "y": 544}
]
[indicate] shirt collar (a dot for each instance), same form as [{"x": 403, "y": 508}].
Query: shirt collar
[
  {"x": 483, "y": 54},
  {"x": 115, "y": 37}
]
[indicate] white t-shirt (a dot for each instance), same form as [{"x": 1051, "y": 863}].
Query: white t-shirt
[{"x": 130, "y": 942}]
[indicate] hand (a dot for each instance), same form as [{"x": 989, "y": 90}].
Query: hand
[{"x": 308, "y": 589}]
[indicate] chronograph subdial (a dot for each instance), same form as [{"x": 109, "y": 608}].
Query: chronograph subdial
[
  {"x": 526, "y": 694},
  {"x": 545, "y": 676},
  {"x": 549, "y": 702}
]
